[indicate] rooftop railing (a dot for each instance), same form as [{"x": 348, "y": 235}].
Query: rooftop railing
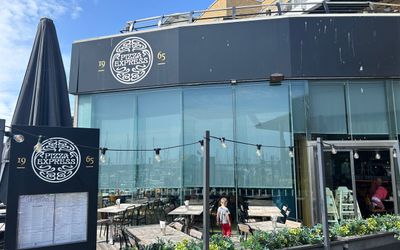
[{"x": 251, "y": 11}]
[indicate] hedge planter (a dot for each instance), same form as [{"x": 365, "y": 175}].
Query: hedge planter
[
  {"x": 335, "y": 245},
  {"x": 385, "y": 241},
  {"x": 374, "y": 241}
]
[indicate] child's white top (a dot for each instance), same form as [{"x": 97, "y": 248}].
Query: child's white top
[{"x": 223, "y": 215}]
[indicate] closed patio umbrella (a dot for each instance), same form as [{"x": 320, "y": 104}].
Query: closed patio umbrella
[{"x": 43, "y": 98}]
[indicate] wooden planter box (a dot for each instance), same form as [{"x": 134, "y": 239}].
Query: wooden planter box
[
  {"x": 384, "y": 241},
  {"x": 374, "y": 241}
]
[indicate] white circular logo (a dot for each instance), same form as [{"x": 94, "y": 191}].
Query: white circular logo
[
  {"x": 58, "y": 160},
  {"x": 131, "y": 60}
]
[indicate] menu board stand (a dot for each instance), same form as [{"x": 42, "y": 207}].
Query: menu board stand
[{"x": 52, "y": 192}]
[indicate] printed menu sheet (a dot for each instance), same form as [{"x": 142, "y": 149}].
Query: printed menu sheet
[{"x": 52, "y": 219}]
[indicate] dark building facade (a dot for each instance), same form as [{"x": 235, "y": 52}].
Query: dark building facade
[{"x": 163, "y": 87}]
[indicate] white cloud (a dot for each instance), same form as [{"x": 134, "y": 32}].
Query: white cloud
[
  {"x": 18, "y": 24},
  {"x": 76, "y": 10}
]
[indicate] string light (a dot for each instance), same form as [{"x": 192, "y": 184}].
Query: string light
[
  {"x": 18, "y": 138},
  {"x": 223, "y": 144},
  {"x": 201, "y": 145},
  {"x": 258, "y": 151},
  {"x": 103, "y": 157},
  {"x": 356, "y": 156},
  {"x": 377, "y": 156},
  {"x": 394, "y": 153},
  {"x": 333, "y": 150},
  {"x": 291, "y": 154},
  {"x": 157, "y": 156},
  {"x": 38, "y": 146}
]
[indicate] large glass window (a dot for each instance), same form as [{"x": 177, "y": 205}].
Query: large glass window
[
  {"x": 327, "y": 108},
  {"x": 208, "y": 108},
  {"x": 159, "y": 126},
  {"x": 396, "y": 94},
  {"x": 262, "y": 117},
  {"x": 114, "y": 115},
  {"x": 297, "y": 92},
  {"x": 367, "y": 108}
]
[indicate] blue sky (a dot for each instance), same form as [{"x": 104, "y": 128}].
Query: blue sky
[{"x": 74, "y": 20}]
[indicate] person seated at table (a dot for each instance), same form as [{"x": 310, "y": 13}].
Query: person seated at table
[
  {"x": 223, "y": 218},
  {"x": 379, "y": 194}
]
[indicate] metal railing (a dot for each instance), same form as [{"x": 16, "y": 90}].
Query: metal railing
[{"x": 262, "y": 10}]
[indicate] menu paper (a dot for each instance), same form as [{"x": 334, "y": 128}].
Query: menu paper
[
  {"x": 35, "y": 220},
  {"x": 52, "y": 219}
]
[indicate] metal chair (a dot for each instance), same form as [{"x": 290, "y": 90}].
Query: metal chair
[{"x": 244, "y": 231}]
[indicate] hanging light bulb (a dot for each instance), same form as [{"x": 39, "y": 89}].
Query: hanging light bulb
[
  {"x": 157, "y": 156},
  {"x": 333, "y": 150},
  {"x": 356, "y": 156},
  {"x": 291, "y": 154},
  {"x": 103, "y": 157},
  {"x": 223, "y": 144},
  {"x": 201, "y": 145},
  {"x": 258, "y": 151},
  {"x": 38, "y": 145},
  {"x": 18, "y": 138},
  {"x": 377, "y": 156},
  {"x": 394, "y": 153}
]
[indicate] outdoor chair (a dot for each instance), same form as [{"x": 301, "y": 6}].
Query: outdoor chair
[
  {"x": 196, "y": 234},
  {"x": 106, "y": 223},
  {"x": 141, "y": 214},
  {"x": 121, "y": 222},
  {"x": 154, "y": 211},
  {"x": 177, "y": 225},
  {"x": 244, "y": 231}
]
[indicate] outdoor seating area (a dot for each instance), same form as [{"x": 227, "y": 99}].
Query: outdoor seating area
[{"x": 143, "y": 222}]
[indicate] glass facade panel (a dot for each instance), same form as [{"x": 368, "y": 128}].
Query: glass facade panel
[
  {"x": 208, "y": 108},
  {"x": 297, "y": 91},
  {"x": 396, "y": 95},
  {"x": 114, "y": 115},
  {"x": 262, "y": 117},
  {"x": 159, "y": 125},
  {"x": 327, "y": 108},
  {"x": 367, "y": 108}
]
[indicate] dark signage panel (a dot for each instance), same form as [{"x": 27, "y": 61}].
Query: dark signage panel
[
  {"x": 52, "y": 193},
  {"x": 303, "y": 46}
]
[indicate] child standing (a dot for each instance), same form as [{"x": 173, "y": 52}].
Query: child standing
[{"x": 223, "y": 218}]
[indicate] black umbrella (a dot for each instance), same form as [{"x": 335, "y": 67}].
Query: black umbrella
[{"x": 43, "y": 99}]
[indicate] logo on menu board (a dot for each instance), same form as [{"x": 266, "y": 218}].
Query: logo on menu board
[
  {"x": 131, "y": 60},
  {"x": 58, "y": 160}
]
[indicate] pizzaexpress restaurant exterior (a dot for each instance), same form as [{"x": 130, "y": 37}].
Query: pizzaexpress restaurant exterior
[{"x": 163, "y": 87}]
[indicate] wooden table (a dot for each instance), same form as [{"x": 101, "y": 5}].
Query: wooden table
[
  {"x": 148, "y": 234},
  {"x": 187, "y": 212},
  {"x": 265, "y": 225},
  {"x": 264, "y": 211},
  {"x": 114, "y": 210}
]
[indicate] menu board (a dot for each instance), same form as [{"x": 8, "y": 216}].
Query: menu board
[{"x": 52, "y": 219}]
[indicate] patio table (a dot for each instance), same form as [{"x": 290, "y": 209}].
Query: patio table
[
  {"x": 266, "y": 226},
  {"x": 187, "y": 212},
  {"x": 148, "y": 234},
  {"x": 114, "y": 210},
  {"x": 264, "y": 211}
]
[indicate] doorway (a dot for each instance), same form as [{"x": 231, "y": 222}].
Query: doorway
[{"x": 353, "y": 172}]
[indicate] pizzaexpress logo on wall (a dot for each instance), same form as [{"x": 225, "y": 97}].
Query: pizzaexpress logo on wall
[
  {"x": 131, "y": 60},
  {"x": 58, "y": 160}
]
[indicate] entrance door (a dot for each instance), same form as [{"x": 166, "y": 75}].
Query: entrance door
[
  {"x": 360, "y": 167},
  {"x": 340, "y": 185}
]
